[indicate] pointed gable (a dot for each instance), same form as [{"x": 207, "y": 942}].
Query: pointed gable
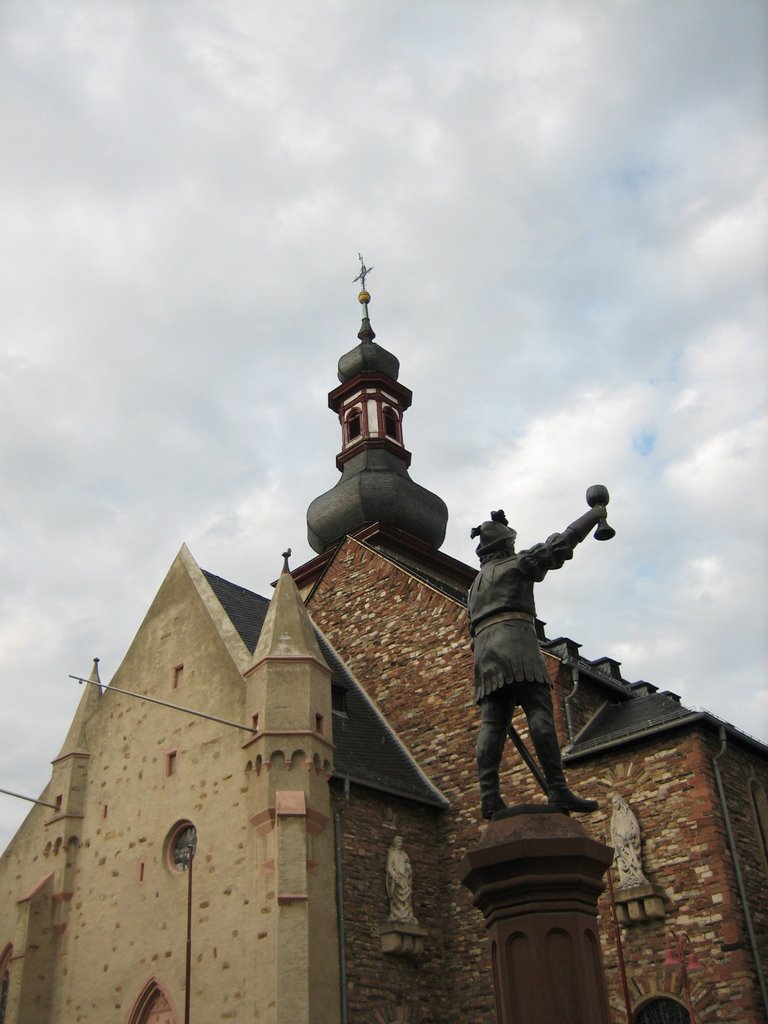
[
  {"x": 367, "y": 749},
  {"x": 287, "y": 631},
  {"x": 75, "y": 741}
]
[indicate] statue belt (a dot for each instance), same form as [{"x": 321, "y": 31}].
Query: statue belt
[{"x": 492, "y": 620}]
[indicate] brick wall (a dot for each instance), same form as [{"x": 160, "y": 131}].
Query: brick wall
[
  {"x": 407, "y": 644},
  {"x": 379, "y": 983}
]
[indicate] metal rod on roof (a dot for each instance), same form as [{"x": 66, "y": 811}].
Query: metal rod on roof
[
  {"x": 31, "y": 799},
  {"x": 166, "y": 704}
]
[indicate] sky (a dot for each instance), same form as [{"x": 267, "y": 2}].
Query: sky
[{"x": 564, "y": 203}]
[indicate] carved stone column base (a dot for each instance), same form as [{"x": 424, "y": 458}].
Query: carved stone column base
[
  {"x": 536, "y": 878},
  {"x": 640, "y": 903},
  {"x": 398, "y": 938}
]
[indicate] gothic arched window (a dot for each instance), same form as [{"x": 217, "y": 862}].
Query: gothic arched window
[{"x": 153, "y": 1006}]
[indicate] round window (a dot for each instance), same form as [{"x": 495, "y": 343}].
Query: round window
[{"x": 181, "y": 845}]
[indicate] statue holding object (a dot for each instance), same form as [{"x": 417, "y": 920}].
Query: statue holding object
[{"x": 509, "y": 667}]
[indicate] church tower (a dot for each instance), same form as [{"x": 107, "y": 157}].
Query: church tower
[{"x": 375, "y": 487}]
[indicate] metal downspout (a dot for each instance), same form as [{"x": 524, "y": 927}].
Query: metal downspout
[
  {"x": 340, "y": 903},
  {"x": 574, "y": 667},
  {"x": 737, "y": 868}
]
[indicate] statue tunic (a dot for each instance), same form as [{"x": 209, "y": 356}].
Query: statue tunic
[{"x": 507, "y": 649}]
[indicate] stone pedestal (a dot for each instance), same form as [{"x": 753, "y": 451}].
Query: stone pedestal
[
  {"x": 639, "y": 904},
  {"x": 537, "y": 877},
  {"x": 400, "y": 938}
]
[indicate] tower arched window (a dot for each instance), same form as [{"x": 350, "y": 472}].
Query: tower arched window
[
  {"x": 391, "y": 424},
  {"x": 354, "y": 425}
]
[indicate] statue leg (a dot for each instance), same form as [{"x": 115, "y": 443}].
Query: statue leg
[
  {"x": 496, "y": 712},
  {"x": 536, "y": 702}
]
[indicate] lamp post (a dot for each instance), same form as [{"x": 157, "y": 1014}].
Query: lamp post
[
  {"x": 619, "y": 948},
  {"x": 186, "y": 855},
  {"x": 682, "y": 954}
]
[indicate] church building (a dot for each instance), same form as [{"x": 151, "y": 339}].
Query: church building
[{"x": 261, "y": 817}]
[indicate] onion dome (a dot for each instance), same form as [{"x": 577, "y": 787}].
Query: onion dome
[{"x": 367, "y": 357}]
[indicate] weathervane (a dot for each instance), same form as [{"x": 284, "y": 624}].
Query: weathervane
[{"x": 364, "y": 272}]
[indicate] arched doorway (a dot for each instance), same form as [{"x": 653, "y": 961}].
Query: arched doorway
[
  {"x": 153, "y": 1006},
  {"x": 663, "y": 1011}
]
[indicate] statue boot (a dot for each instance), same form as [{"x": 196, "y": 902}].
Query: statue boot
[
  {"x": 558, "y": 793},
  {"x": 490, "y": 744}
]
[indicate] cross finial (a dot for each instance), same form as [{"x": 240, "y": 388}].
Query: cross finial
[
  {"x": 286, "y": 556},
  {"x": 364, "y": 272}
]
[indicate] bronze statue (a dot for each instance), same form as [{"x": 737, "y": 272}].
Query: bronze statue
[{"x": 509, "y": 667}]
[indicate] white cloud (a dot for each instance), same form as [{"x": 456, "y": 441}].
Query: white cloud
[{"x": 564, "y": 204}]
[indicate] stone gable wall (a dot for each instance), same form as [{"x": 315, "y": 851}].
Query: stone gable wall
[{"x": 118, "y": 931}]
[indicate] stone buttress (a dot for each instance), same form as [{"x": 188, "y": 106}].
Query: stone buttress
[{"x": 290, "y": 759}]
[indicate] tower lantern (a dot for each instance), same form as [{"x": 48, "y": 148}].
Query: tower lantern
[{"x": 375, "y": 486}]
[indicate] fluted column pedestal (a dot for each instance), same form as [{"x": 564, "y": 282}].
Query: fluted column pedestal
[{"x": 536, "y": 876}]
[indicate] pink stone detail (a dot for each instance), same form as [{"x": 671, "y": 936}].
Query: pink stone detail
[
  {"x": 289, "y": 802},
  {"x": 36, "y": 888}
]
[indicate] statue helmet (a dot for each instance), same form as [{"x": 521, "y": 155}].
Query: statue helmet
[{"x": 493, "y": 533}]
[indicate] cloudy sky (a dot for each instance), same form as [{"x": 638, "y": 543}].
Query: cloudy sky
[{"x": 564, "y": 202}]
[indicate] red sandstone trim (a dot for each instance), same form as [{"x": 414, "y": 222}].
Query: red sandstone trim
[
  {"x": 288, "y": 659},
  {"x": 74, "y": 753},
  {"x": 373, "y": 384},
  {"x": 290, "y": 732},
  {"x": 145, "y": 999},
  {"x": 171, "y": 763},
  {"x": 290, "y": 803},
  {"x": 316, "y": 821},
  {"x": 36, "y": 888},
  {"x": 62, "y": 817},
  {"x": 263, "y": 821}
]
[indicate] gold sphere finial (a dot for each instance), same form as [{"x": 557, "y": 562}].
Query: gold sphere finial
[{"x": 364, "y": 297}]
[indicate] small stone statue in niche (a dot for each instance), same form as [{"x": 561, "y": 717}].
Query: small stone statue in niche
[
  {"x": 625, "y": 836},
  {"x": 399, "y": 883}
]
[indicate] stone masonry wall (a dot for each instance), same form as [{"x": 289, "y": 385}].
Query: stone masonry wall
[
  {"x": 669, "y": 783},
  {"x": 407, "y": 644},
  {"x": 382, "y": 987}
]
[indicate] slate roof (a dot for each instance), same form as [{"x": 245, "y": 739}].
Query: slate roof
[
  {"x": 437, "y": 584},
  {"x": 367, "y": 751},
  {"x": 617, "y": 723}
]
